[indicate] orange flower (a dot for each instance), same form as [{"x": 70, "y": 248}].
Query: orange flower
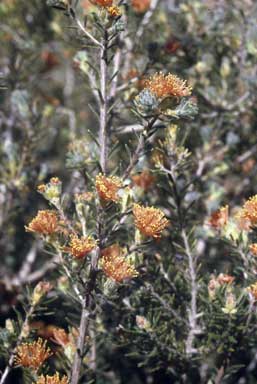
[
  {"x": 41, "y": 289},
  {"x": 140, "y": 6},
  {"x": 84, "y": 197},
  {"x": 216, "y": 282},
  {"x": 143, "y": 180},
  {"x": 52, "y": 379},
  {"x": 115, "y": 266},
  {"x": 223, "y": 278},
  {"x": 32, "y": 355},
  {"x": 248, "y": 214},
  {"x": 45, "y": 223},
  {"x": 107, "y": 187},
  {"x": 80, "y": 247},
  {"x": 253, "y": 248},
  {"x": 219, "y": 218},
  {"x": 103, "y": 3},
  {"x": 149, "y": 220},
  {"x": 114, "y": 11},
  {"x": 60, "y": 336},
  {"x": 167, "y": 85},
  {"x": 252, "y": 289}
]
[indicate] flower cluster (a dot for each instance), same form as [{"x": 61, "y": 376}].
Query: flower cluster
[
  {"x": 103, "y": 3},
  {"x": 219, "y": 218},
  {"x": 108, "y": 187},
  {"x": 32, "y": 355},
  {"x": 252, "y": 289},
  {"x": 45, "y": 223},
  {"x": 41, "y": 289},
  {"x": 80, "y": 247},
  {"x": 248, "y": 214},
  {"x": 143, "y": 180},
  {"x": 149, "y": 220},
  {"x": 55, "y": 379},
  {"x": 115, "y": 266},
  {"x": 114, "y": 11},
  {"x": 217, "y": 282},
  {"x": 253, "y": 248},
  {"x": 167, "y": 85},
  {"x": 52, "y": 190},
  {"x": 140, "y": 6}
]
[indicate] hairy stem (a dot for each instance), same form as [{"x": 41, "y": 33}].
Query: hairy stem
[
  {"x": 86, "y": 303},
  {"x": 193, "y": 316},
  {"x": 103, "y": 104}
]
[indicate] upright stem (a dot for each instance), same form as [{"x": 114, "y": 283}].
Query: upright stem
[
  {"x": 193, "y": 325},
  {"x": 140, "y": 146},
  {"x": 86, "y": 303},
  {"x": 84, "y": 319},
  {"x": 103, "y": 104}
]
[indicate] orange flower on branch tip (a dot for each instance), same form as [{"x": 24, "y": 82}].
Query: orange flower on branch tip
[
  {"x": 219, "y": 218},
  {"x": 223, "y": 278},
  {"x": 115, "y": 266},
  {"x": 55, "y": 379},
  {"x": 45, "y": 223},
  {"x": 114, "y": 11},
  {"x": 140, "y": 6},
  {"x": 247, "y": 216},
  {"x": 252, "y": 289},
  {"x": 103, "y": 3},
  {"x": 108, "y": 187},
  {"x": 143, "y": 180},
  {"x": 149, "y": 220},
  {"x": 167, "y": 85},
  {"x": 253, "y": 248},
  {"x": 80, "y": 247},
  {"x": 32, "y": 355},
  {"x": 41, "y": 289}
]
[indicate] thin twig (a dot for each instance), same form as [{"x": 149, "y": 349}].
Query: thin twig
[
  {"x": 140, "y": 147},
  {"x": 88, "y": 34}
]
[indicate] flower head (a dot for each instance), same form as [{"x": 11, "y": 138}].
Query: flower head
[
  {"x": 140, "y": 6},
  {"x": 32, "y": 355},
  {"x": 55, "y": 379},
  {"x": 115, "y": 266},
  {"x": 114, "y": 11},
  {"x": 248, "y": 214},
  {"x": 107, "y": 187},
  {"x": 149, "y": 220},
  {"x": 253, "y": 248},
  {"x": 252, "y": 289},
  {"x": 219, "y": 218},
  {"x": 216, "y": 282},
  {"x": 45, "y": 223},
  {"x": 52, "y": 190},
  {"x": 230, "y": 304},
  {"x": 41, "y": 289},
  {"x": 167, "y": 85},
  {"x": 103, "y": 3},
  {"x": 80, "y": 247},
  {"x": 143, "y": 180}
]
